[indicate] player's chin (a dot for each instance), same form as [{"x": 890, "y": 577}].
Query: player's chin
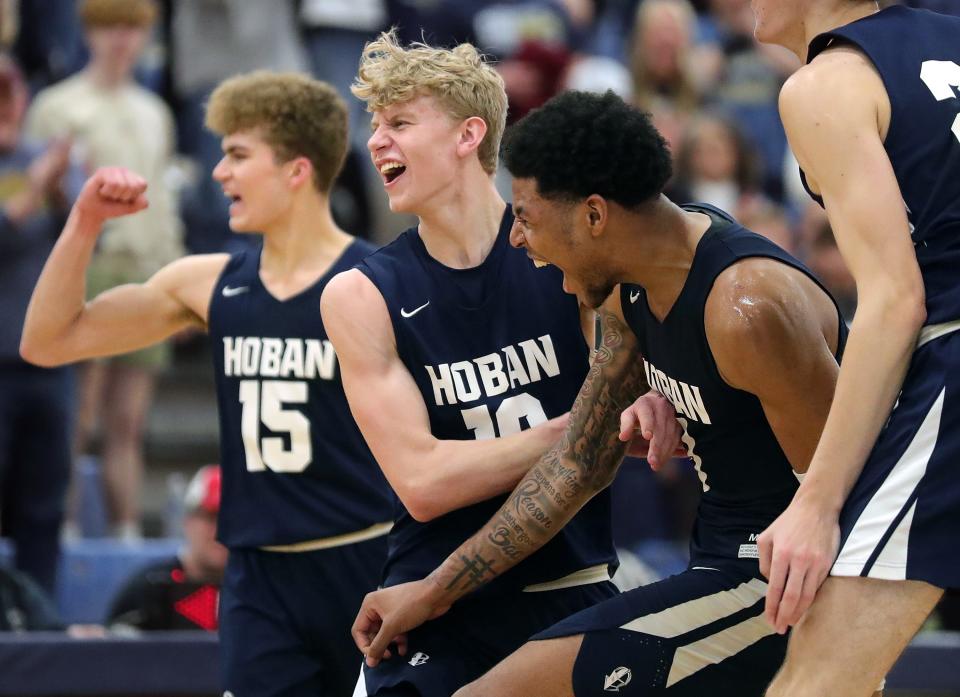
[
  {"x": 401, "y": 204},
  {"x": 242, "y": 225}
]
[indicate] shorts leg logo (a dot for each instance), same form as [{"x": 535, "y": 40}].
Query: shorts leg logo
[
  {"x": 620, "y": 677},
  {"x": 418, "y": 659}
]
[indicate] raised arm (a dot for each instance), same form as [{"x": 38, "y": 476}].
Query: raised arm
[
  {"x": 431, "y": 476},
  {"x": 835, "y": 112},
  {"x": 60, "y": 327},
  {"x": 581, "y": 464}
]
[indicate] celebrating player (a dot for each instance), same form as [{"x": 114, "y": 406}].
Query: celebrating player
[
  {"x": 304, "y": 509},
  {"x": 733, "y": 331}
]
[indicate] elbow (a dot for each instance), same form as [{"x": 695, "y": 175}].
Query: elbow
[
  {"x": 33, "y": 353},
  {"x": 421, "y": 497},
  {"x": 911, "y": 308},
  {"x": 421, "y": 505},
  {"x": 900, "y": 307}
]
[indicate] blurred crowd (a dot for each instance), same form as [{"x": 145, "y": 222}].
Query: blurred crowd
[{"x": 124, "y": 82}]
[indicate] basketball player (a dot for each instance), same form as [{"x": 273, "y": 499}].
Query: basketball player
[
  {"x": 305, "y": 509},
  {"x": 874, "y": 120},
  {"x": 459, "y": 359},
  {"x": 733, "y": 331}
]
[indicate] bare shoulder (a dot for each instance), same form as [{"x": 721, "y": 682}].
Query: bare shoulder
[
  {"x": 351, "y": 292},
  {"x": 355, "y": 315},
  {"x": 760, "y": 309},
  {"x": 841, "y": 76},
  {"x": 190, "y": 280}
]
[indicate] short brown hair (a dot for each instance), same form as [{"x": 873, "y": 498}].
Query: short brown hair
[
  {"x": 106, "y": 13},
  {"x": 460, "y": 79},
  {"x": 295, "y": 114}
]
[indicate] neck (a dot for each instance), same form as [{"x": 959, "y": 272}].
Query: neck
[
  {"x": 304, "y": 238},
  {"x": 662, "y": 263},
  {"x": 105, "y": 75},
  {"x": 823, "y": 18},
  {"x": 461, "y": 224}
]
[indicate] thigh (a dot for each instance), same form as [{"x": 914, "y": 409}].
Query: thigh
[
  {"x": 457, "y": 648},
  {"x": 537, "y": 668},
  {"x": 261, "y": 651},
  {"x": 699, "y": 632},
  {"x": 333, "y": 583},
  {"x": 852, "y": 634}
]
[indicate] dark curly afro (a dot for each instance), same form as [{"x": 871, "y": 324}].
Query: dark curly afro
[{"x": 582, "y": 143}]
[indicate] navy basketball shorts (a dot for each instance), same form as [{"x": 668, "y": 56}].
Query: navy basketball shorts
[
  {"x": 902, "y": 518},
  {"x": 457, "y": 648},
  {"x": 285, "y": 619},
  {"x": 700, "y": 632}
]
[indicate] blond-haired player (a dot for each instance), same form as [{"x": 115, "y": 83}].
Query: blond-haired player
[
  {"x": 304, "y": 508},
  {"x": 460, "y": 359}
]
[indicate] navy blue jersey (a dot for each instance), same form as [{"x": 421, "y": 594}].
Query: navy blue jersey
[
  {"x": 295, "y": 466},
  {"x": 494, "y": 349},
  {"x": 746, "y": 477},
  {"x": 917, "y": 54}
]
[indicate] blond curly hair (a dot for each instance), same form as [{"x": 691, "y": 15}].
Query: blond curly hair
[
  {"x": 461, "y": 79},
  {"x": 296, "y": 115}
]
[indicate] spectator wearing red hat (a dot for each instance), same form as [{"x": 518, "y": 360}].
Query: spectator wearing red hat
[{"x": 182, "y": 592}]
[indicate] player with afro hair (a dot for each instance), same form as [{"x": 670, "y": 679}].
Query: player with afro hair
[{"x": 609, "y": 148}]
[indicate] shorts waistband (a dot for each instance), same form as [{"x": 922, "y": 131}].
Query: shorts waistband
[
  {"x": 583, "y": 577},
  {"x": 935, "y": 331},
  {"x": 377, "y": 530}
]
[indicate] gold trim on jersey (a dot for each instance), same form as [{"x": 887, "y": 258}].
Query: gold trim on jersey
[
  {"x": 592, "y": 574},
  {"x": 373, "y": 531},
  {"x": 935, "y": 331}
]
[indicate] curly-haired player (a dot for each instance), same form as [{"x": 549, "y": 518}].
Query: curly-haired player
[
  {"x": 304, "y": 509},
  {"x": 739, "y": 337}
]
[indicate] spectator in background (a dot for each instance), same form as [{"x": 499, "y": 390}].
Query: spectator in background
[
  {"x": 49, "y": 39},
  {"x": 716, "y": 165},
  {"x": 24, "y": 607},
  {"x": 37, "y": 185},
  {"x": 662, "y": 57},
  {"x": 114, "y": 121},
  {"x": 748, "y": 84},
  {"x": 824, "y": 258},
  {"x": 183, "y": 592}
]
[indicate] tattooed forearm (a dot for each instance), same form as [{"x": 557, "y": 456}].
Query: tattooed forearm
[
  {"x": 472, "y": 572},
  {"x": 581, "y": 464}
]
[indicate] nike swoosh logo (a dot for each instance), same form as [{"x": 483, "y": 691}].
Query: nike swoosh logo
[
  {"x": 634, "y": 294},
  {"x": 408, "y": 315},
  {"x": 229, "y": 292}
]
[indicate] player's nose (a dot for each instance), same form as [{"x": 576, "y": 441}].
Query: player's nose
[
  {"x": 516, "y": 235},
  {"x": 377, "y": 140},
  {"x": 220, "y": 171}
]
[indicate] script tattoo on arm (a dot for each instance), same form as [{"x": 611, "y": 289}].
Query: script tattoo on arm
[{"x": 582, "y": 463}]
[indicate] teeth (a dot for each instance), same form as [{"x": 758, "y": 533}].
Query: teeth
[
  {"x": 540, "y": 264},
  {"x": 389, "y": 167}
]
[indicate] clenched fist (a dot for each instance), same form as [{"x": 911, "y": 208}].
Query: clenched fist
[{"x": 112, "y": 192}]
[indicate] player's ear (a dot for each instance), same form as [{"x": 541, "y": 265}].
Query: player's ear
[
  {"x": 472, "y": 132},
  {"x": 596, "y": 212},
  {"x": 301, "y": 172}
]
